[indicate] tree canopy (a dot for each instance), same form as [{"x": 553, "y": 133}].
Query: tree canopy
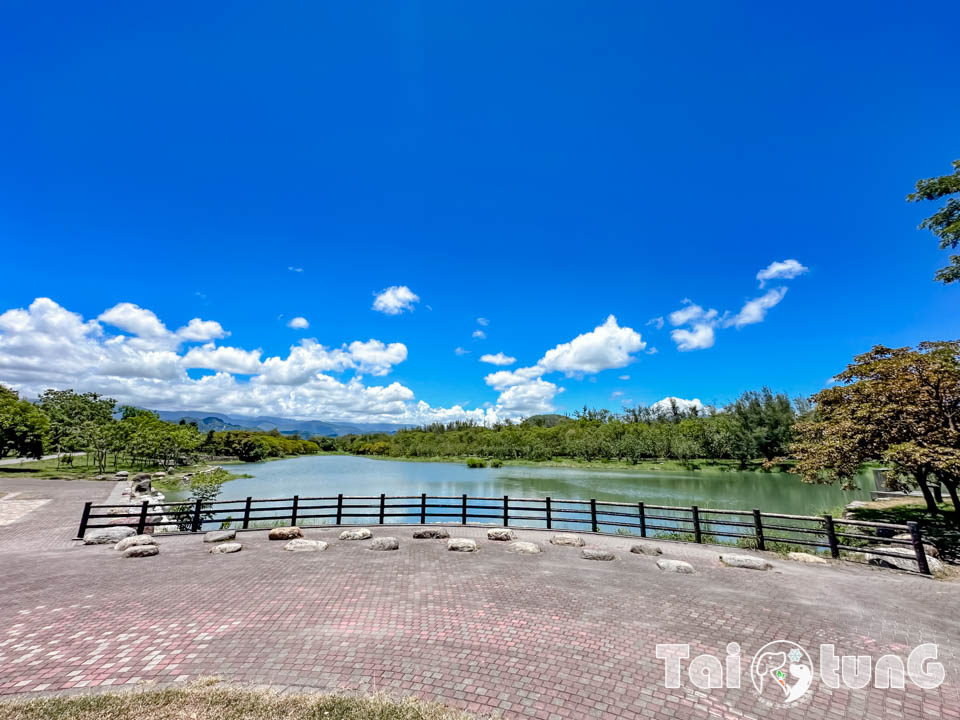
[
  {"x": 945, "y": 223},
  {"x": 22, "y": 426},
  {"x": 901, "y": 406}
]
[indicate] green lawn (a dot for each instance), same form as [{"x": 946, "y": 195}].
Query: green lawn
[
  {"x": 204, "y": 701},
  {"x": 942, "y": 530},
  {"x": 78, "y": 471}
]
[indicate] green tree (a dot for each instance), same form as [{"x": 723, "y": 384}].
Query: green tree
[
  {"x": 901, "y": 406},
  {"x": 945, "y": 223},
  {"x": 72, "y": 416},
  {"x": 766, "y": 419},
  {"x": 23, "y": 426}
]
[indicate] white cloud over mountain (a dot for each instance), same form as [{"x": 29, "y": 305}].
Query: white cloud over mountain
[{"x": 394, "y": 300}]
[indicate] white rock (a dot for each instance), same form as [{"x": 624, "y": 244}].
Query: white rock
[
  {"x": 501, "y": 534},
  {"x": 745, "y": 561},
  {"x": 907, "y": 562},
  {"x": 807, "y": 558},
  {"x": 567, "y": 539},
  {"x": 524, "y": 548},
  {"x": 224, "y": 548},
  {"x": 461, "y": 545},
  {"x": 140, "y": 551},
  {"x": 108, "y": 536},
  {"x": 385, "y": 543},
  {"x": 133, "y": 541},
  {"x": 360, "y": 534},
  {"x": 677, "y": 566},
  {"x": 219, "y": 536},
  {"x": 304, "y": 545}
]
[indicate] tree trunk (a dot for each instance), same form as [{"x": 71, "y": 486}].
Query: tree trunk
[
  {"x": 938, "y": 492},
  {"x": 952, "y": 489},
  {"x": 927, "y": 495}
]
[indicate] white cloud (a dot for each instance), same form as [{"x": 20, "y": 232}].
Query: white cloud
[
  {"x": 755, "y": 310},
  {"x": 223, "y": 358},
  {"x": 298, "y": 323},
  {"x": 785, "y": 270},
  {"x": 483, "y": 321},
  {"x": 657, "y": 322},
  {"x": 394, "y": 300},
  {"x": 461, "y": 351},
  {"x": 615, "y": 394},
  {"x": 623, "y": 377},
  {"x": 651, "y": 351},
  {"x": 606, "y": 346},
  {"x": 46, "y": 346},
  {"x": 479, "y": 335},
  {"x": 295, "y": 269},
  {"x": 665, "y": 406},
  {"x": 700, "y": 337},
  {"x": 498, "y": 359},
  {"x": 527, "y": 399},
  {"x": 198, "y": 330},
  {"x": 691, "y": 312}
]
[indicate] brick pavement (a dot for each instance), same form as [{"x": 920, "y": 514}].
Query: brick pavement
[{"x": 546, "y": 636}]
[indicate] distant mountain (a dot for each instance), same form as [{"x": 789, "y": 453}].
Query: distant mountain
[{"x": 221, "y": 421}]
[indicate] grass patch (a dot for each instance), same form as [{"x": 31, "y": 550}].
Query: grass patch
[
  {"x": 206, "y": 701},
  {"x": 942, "y": 530},
  {"x": 79, "y": 470}
]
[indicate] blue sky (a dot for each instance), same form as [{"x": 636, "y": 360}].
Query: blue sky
[{"x": 540, "y": 165}]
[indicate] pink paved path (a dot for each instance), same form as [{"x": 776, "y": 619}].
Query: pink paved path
[{"x": 547, "y": 636}]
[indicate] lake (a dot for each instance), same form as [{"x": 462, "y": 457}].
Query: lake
[{"x": 326, "y": 475}]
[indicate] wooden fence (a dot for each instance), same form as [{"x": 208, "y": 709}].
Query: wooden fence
[{"x": 750, "y": 528}]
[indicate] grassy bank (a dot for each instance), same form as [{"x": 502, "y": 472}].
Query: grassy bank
[
  {"x": 942, "y": 530},
  {"x": 204, "y": 701},
  {"x": 642, "y": 466},
  {"x": 79, "y": 469}
]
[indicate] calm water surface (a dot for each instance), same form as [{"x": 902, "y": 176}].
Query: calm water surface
[{"x": 332, "y": 474}]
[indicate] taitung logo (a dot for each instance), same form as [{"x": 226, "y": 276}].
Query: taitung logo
[{"x": 782, "y": 672}]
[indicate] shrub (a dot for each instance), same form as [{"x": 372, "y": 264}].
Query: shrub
[
  {"x": 496, "y": 463},
  {"x": 475, "y": 463}
]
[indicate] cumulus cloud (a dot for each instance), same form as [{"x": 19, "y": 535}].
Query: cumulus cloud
[
  {"x": 46, "y": 345},
  {"x": 665, "y": 406},
  {"x": 394, "y": 300},
  {"x": 483, "y": 321},
  {"x": 699, "y": 337},
  {"x": 657, "y": 322},
  {"x": 783, "y": 270},
  {"x": 298, "y": 323},
  {"x": 691, "y": 312},
  {"x": 524, "y": 391},
  {"x": 498, "y": 359},
  {"x": 755, "y": 310},
  {"x": 479, "y": 335}
]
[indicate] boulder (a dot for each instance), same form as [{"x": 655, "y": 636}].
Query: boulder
[
  {"x": 524, "y": 548},
  {"x": 122, "y": 475},
  {"x": 431, "y": 534},
  {"x": 161, "y": 474},
  {"x": 501, "y": 534},
  {"x": 142, "y": 476},
  {"x": 385, "y": 543},
  {"x": 461, "y": 545},
  {"x": 745, "y": 561},
  {"x": 140, "y": 551},
  {"x": 227, "y": 547},
  {"x": 596, "y": 554},
  {"x": 285, "y": 533},
  {"x": 107, "y": 536},
  {"x": 567, "y": 539},
  {"x": 807, "y": 558},
  {"x": 908, "y": 561},
  {"x": 304, "y": 545},
  {"x": 134, "y": 541},
  {"x": 219, "y": 536},
  {"x": 358, "y": 534},
  {"x": 677, "y": 566},
  {"x": 646, "y": 549},
  {"x": 927, "y": 547}
]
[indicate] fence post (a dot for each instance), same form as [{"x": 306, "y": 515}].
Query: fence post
[
  {"x": 758, "y": 528},
  {"x": 339, "y": 508},
  {"x": 643, "y": 519},
  {"x": 549, "y": 515},
  {"x": 142, "y": 524},
  {"x": 697, "y": 535},
  {"x": 464, "y": 519},
  {"x": 831, "y": 535},
  {"x": 506, "y": 510},
  {"x": 83, "y": 520},
  {"x": 423, "y": 508},
  {"x": 918, "y": 548},
  {"x": 196, "y": 517},
  {"x": 246, "y": 513},
  {"x": 293, "y": 512},
  {"x": 383, "y": 502},
  {"x": 593, "y": 514}
]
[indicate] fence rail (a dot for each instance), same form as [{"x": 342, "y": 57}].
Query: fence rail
[{"x": 751, "y": 528}]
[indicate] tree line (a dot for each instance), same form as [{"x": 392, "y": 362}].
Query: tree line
[
  {"x": 758, "y": 425},
  {"x": 62, "y": 422}
]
